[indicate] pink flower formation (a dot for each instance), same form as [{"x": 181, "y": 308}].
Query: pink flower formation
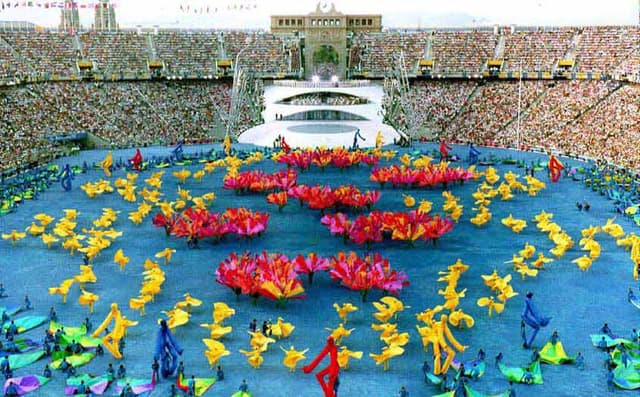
[
  {"x": 259, "y": 182},
  {"x": 366, "y": 273},
  {"x": 432, "y": 175},
  {"x": 196, "y": 224},
  {"x": 337, "y": 157},
  {"x": 323, "y": 197},
  {"x": 378, "y": 226},
  {"x": 276, "y": 277}
]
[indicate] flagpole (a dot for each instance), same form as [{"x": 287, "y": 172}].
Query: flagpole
[{"x": 519, "y": 105}]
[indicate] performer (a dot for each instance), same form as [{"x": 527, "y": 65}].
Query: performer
[
  {"x": 532, "y": 318},
  {"x": 332, "y": 370},
  {"x": 227, "y": 145},
  {"x": 444, "y": 150},
  {"x": 379, "y": 141},
  {"x": 284, "y": 145},
  {"x": 65, "y": 178},
  {"x": 473, "y": 154},
  {"x": 136, "y": 161},
  {"x": 555, "y": 168},
  {"x": 355, "y": 139}
]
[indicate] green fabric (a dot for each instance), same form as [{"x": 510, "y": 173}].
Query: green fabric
[
  {"x": 84, "y": 340},
  {"x": 204, "y": 384},
  {"x": 69, "y": 332},
  {"x": 634, "y": 358},
  {"x": 473, "y": 393},
  {"x": 75, "y": 360},
  {"x": 26, "y": 323},
  {"x": 626, "y": 378},
  {"x": 10, "y": 310},
  {"x": 555, "y": 354},
  {"x": 17, "y": 361},
  {"x": 242, "y": 394},
  {"x": 596, "y": 338},
  {"x": 516, "y": 374},
  {"x": 436, "y": 380}
]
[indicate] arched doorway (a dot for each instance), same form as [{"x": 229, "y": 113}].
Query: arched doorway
[{"x": 326, "y": 62}]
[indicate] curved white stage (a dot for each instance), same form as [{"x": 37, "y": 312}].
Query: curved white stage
[
  {"x": 300, "y": 134},
  {"x": 333, "y": 132}
]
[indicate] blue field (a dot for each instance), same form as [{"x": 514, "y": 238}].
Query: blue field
[{"x": 578, "y": 302}]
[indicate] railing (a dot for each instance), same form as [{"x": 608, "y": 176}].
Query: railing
[{"x": 322, "y": 84}]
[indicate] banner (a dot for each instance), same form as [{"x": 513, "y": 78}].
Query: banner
[
  {"x": 49, "y": 4},
  {"x": 213, "y": 6}
]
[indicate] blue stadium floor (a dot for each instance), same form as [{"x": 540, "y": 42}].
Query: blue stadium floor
[{"x": 579, "y": 302}]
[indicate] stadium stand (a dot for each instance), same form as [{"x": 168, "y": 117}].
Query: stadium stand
[{"x": 579, "y": 116}]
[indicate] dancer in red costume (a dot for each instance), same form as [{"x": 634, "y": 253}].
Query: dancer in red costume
[
  {"x": 285, "y": 146},
  {"x": 444, "y": 150},
  {"x": 555, "y": 168},
  {"x": 136, "y": 160},
  {"x": 332, "y": 370}
]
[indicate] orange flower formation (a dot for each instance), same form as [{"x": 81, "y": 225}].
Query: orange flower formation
[
  {"x": 322, "y": 157},
  {"x": 363, "y": 274},
  {"x": 196, "y": 224},
  {"x": 272, "y": 276},
  {"x": 429, "y": 175},
  {"x": 403, "y": 226},
  {"x": 258, "y": 181},
  {"x": 280, "y": 199}
]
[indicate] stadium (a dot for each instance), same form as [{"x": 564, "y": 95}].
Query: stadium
[{"x": 439, "y": 173}]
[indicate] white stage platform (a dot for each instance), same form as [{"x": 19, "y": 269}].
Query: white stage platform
[
  {"x": 300, "y": 134},
  {"x": 314, "y": 133}
]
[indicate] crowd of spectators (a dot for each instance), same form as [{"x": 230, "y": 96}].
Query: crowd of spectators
[
  {"x": 599, "y": 119},
  {"x": 438, "y": 101},
  {"x": 461, "y": 51},
  {"x": 265, "y": 52},
  {"x": 563, "y": 102},
  {"x": 492, "y": 107},
  {"x": 603, "y": 48},
  {"x": 121, "y": 114},
  {"x": 116, "y": 52},
  {"x": 378, "y": 51},
  {"x": 608, "y": 131},
  {"x": 42, "y": 52},
  {"x": 536, "y": 51},
  {"x": 607, "y": 49},
  {"x": 332, "y": 100},
  {"x": 595, "y": 119},
  {"x": 188, "y": 51},
  {"x": 183, "y": 52}
]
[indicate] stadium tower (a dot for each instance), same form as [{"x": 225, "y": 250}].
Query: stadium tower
[
  {"x": 105, "y": 16},
  {"x": 69, "y": 18}
]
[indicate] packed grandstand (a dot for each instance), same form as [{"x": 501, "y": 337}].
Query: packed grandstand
[{"x": 572, "y": 90}]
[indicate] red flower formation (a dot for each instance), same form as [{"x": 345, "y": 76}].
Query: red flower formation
[
  {"x": 375, "y": 227},
  {"x": 165, "y": 222},
  {"x": 364, "y": 274},
  {"x": 259, "y": 182},
  {"x": 196, "y": 224},
  {"x": 343, "y": 197},
  {"x": 279, "y": 198},
  {"x": 338, "y": 157},
  {"x": 272, "y": 276},
  {"x": 310, "y": 265},
  {"x": 431, "y": 175}
]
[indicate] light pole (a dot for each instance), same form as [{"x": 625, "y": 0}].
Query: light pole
[
  {"x": 233, "y": 106},
  {"x": 519, "y": 105}
]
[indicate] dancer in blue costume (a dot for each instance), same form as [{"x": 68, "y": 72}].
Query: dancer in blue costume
[
  {"x": 357, "y": 136},
  {"x": 65, "y": 178},
  {"x": 532, "y": 317},
  {"x": 177, "y": 151},
  {"x": 167, "y": 350},
  {"x": 473, "y": 154}
]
